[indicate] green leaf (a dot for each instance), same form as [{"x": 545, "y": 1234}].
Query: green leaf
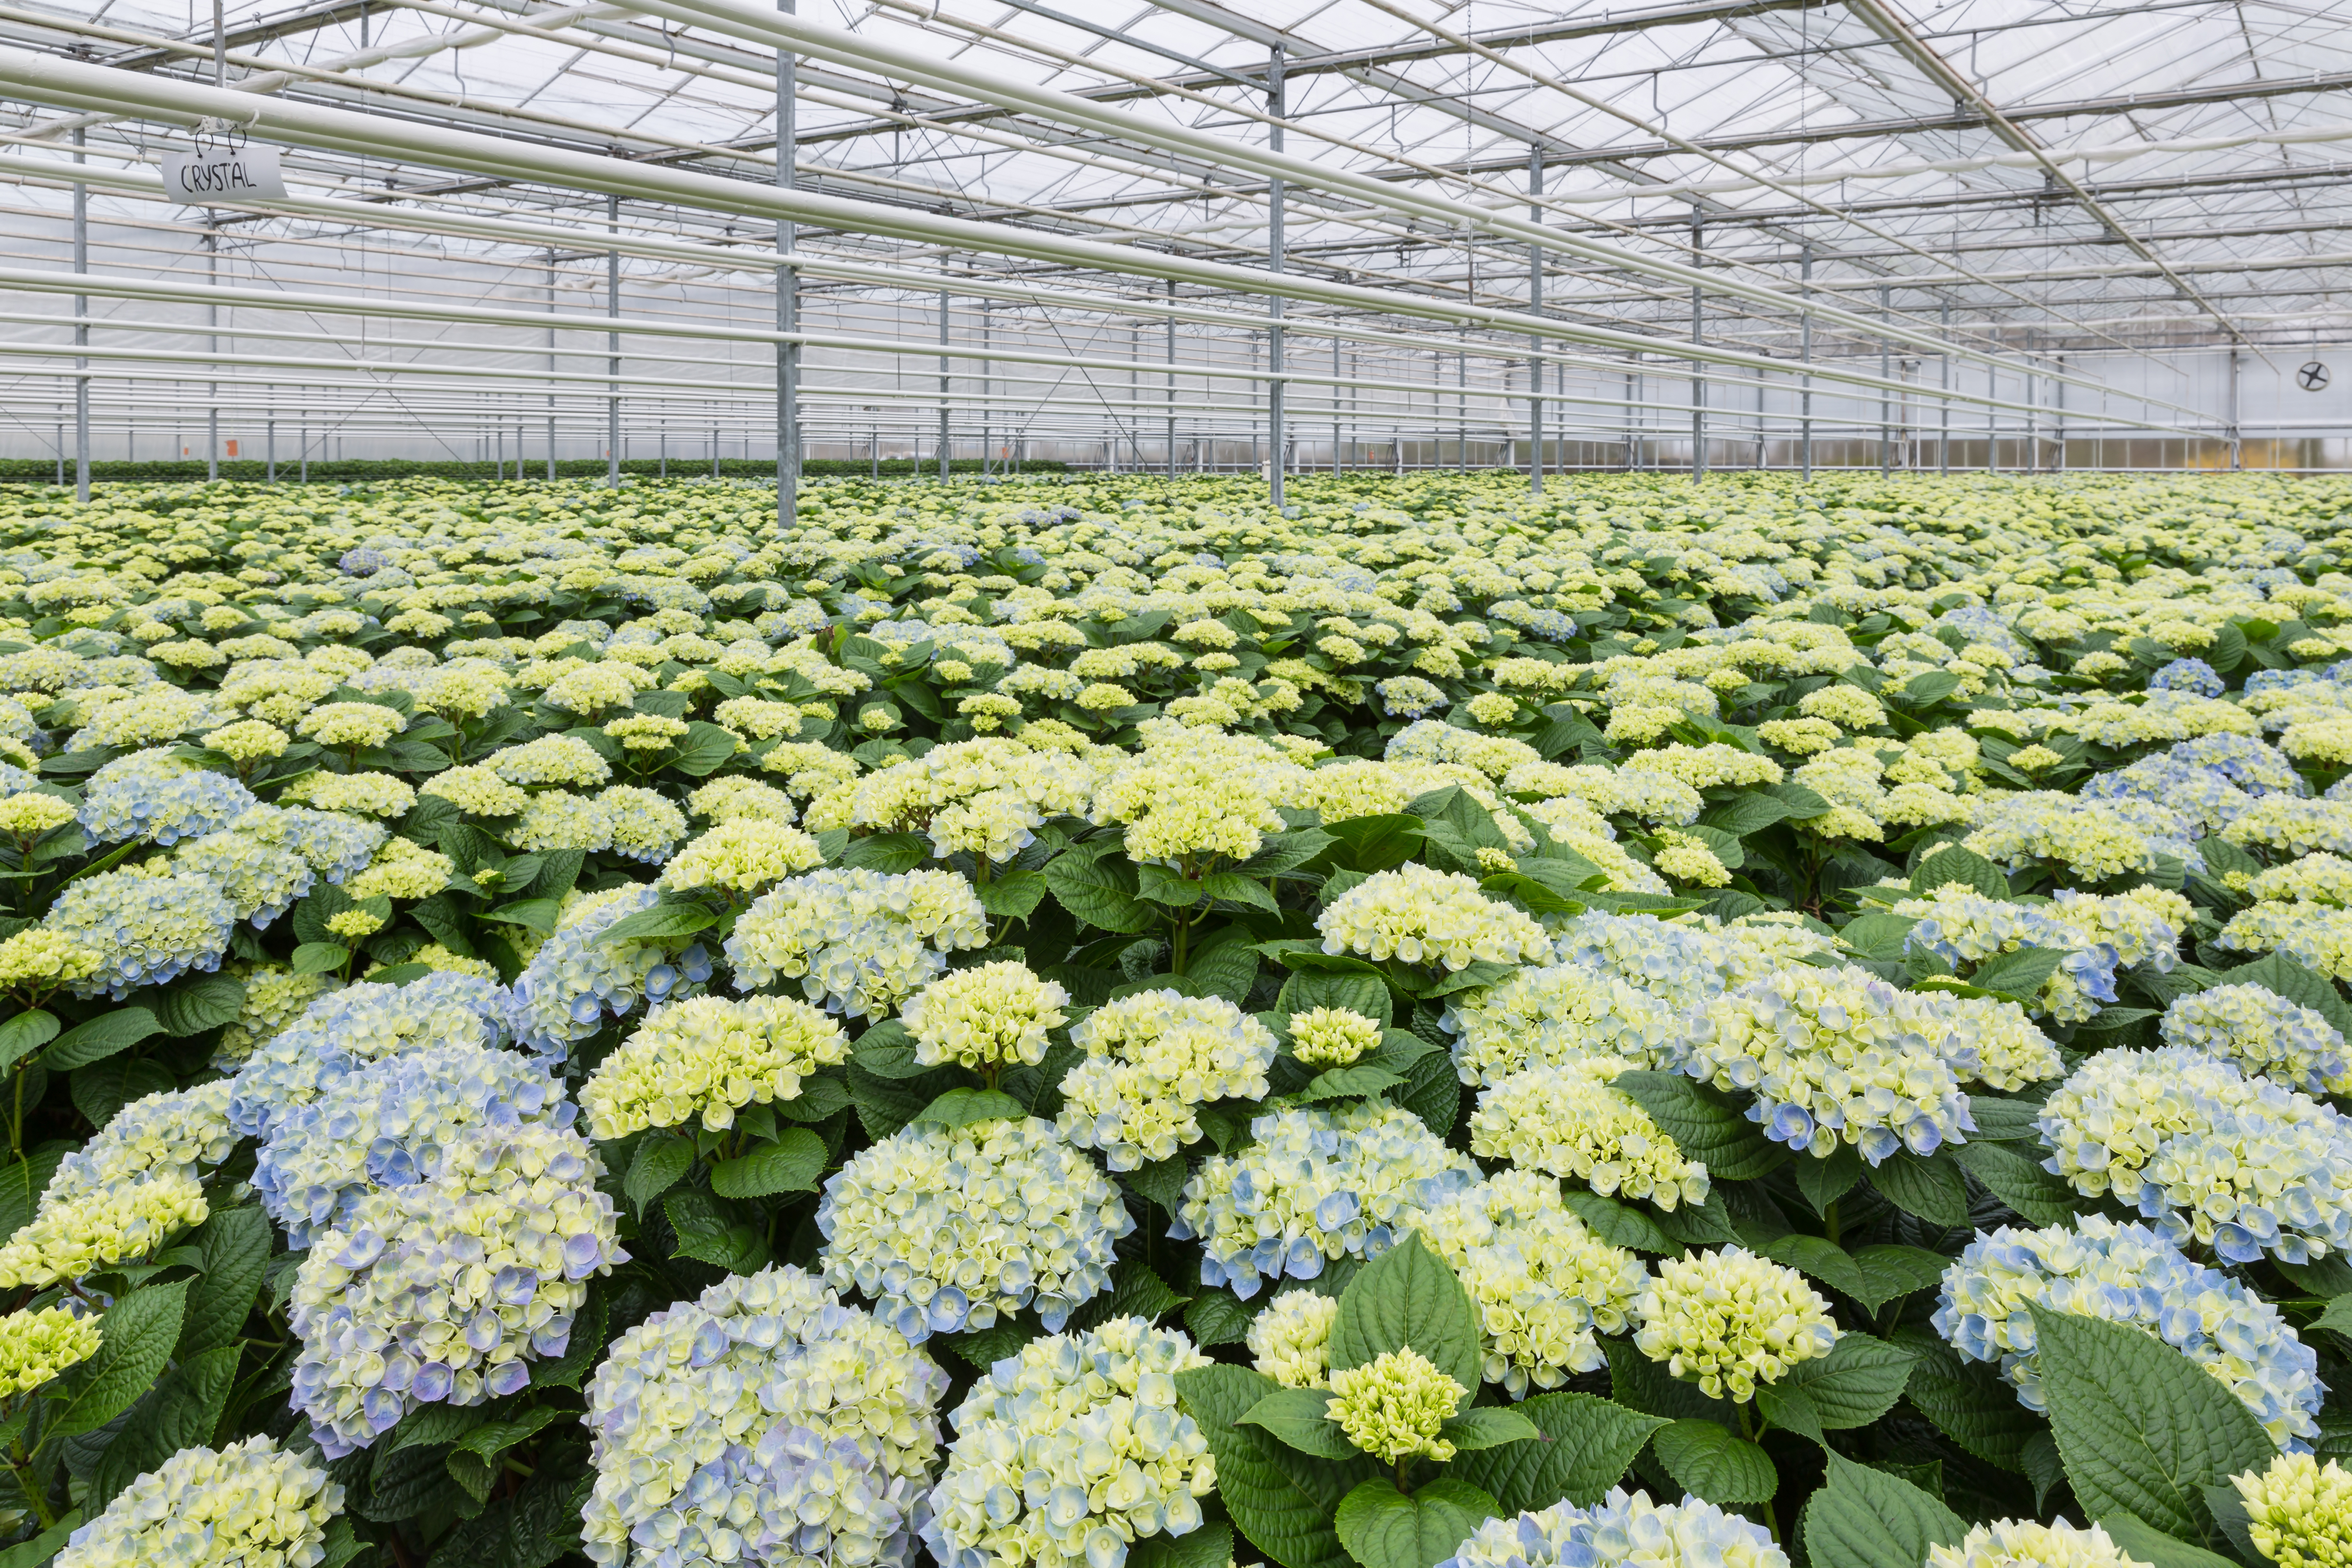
[
  {"x": 92, "y": 1041},
  {"x": 1878, "y": 935},
  {"x": 180, "y": 1411},
  {"x": 791, "y": 1164},
  {"x": 1358, "y": 1083},
  {"x": 2019, "y": 1181},
  {"x": 1744, "y": 814},
  {"x": 1824, "y": 1260},
  {"x": 233, "y": 1250},
  {"x": 1640, "y": 1383},
  {"x": 1384, "y": 1527},
  {"x": 2144, "y": 1542},
  {"x": 1236, "y": 889},
  {"x": 474, "y": 1460},
  {"x": 1710, "y": 1461},
  {"x": 890, "y": 852},
  {"x": 1584, "y": 1446},
  {"x": 1287, "y": 852},
  {"x": 1824, "y": 1182},
  {"x": 706, "y": 749},
  {"x": 2018, "y": 973},
  {"x": 662, "y": 923},
  {"x": 1432, "y": 1092},
  {"x": 319, "y": 958},
  {"x": 1282, "y": 1502},
  {"x": 1703, "y": 1126},
  {"x": 49, "y": 1543},
  {"x": 888, "y": 1051},
  {"x": 1208, "y": 1546},
  {"x": 1489, "y": 1426},
  {"x": 1371, "y": 844},
  {"x": 1407, "y": 1296},
  {"x": 191, "y": 1007},
  {"x": 1930, "y": 1188},
  {"x": 1618, "y": 1223},
  {"x": 1855, "y": 1385},
  {"x": 1890, "y": 1271},
  {"x": 136, "y": 1336},
  {"x": 2000, "y": 1120},
  {"x": 1013, "y": 894},
  {"x": 1224, "y": 964},
  {"x": 962, "y": 1107},
  {"x": 1297, "y": 1416},
  {"x": 661, "y": 1159},
  {"x": 27, "y": 1032},
  {"x": 2140, "y": 1428},
  {"x": 1969, "y": 1403},
  {"x": 1218, "y": 1318},
  {"x": 708, "y": 1228},
  {"x": 21, "y": 1184},
  {"x": 1954, "y": 864},
  {"x": 1098, "y": 892},
  {"x": 1363, "y": 994},
  {"x": 1864, "y": 1518},
  {"x": 103, "y": 1089},
  {"x": 581, "y": 1351}
]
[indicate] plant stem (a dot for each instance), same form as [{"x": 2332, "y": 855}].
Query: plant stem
[
  {"x": 1830, "y": 1220},
  {"x": 1184, "y": 930}
]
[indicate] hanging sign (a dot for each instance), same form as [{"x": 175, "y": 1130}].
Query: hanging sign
[{"x": 223, "y": 168}]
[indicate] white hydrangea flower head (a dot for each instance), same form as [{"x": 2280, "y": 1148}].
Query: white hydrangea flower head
[
  {"x": 765, "y": 1422},
  {"x": 147, "y": 929},
  {"x": 2263, "y": 1034},
  {"x": 1068, "y": 1453},
  {"x": 37, "y": 1345},
  {"x": 1544, "y": 1284},
  {"x": 2299, "y": 1511},
  {"x": 159, "y": 797},
  {"x": 859, "y": 942},
  {"x": 1835, "y": 1056},
  {"x": 389, "y": 1123},
  {"x": 1193, "y": 794},
  {"x": 1731, "y": 1322},
  {"x": 2241, "y": 1165},
  {"x": 742, "y": 856},
  {"x": 441, "y": 1290},
  {"x": 990, "y": 1017},
  {"x": 2127, "y": 1274},
  {"x": 1679, "y": 965},
  {"x": 248, "y": 1505},
  {"x": 1565, "y": 1119},
  {"x": 1559, "y": 1014},
  {"x": 1151, "y": 1059},
  {"x": 1333, "y": 1037},
  {"x": 1393, "y": 1406},
  {"x": 577, "y": 977},
  {"x": 1419, "y": 915},
  {"x": 947, "y": 1228},
  {"x": 362, "y": 1022},
  {"x": 705, "y": 1059},
  {"x": 1621, "y": 1531},
  {"x": 120, "y": 1196},
  {"x": 1314, "y": 1185},
  {"x": 2024, "y": 1544},
  {"x": 1290, "y": 1339}
]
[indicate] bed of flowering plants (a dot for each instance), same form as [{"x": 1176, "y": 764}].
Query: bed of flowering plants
[{"x": 1087, "y": 1023}]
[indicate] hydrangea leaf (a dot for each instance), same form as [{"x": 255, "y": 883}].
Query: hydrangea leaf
[
  {"x": 1931, "y": 1188},
  {"x": 791, "y": 1164},
  {"x": 136, "y": 1336},
  {"x": 1584, "y": 1443},
  {"x": 1489, "y": 1426},
  {"x": 1864, "y": 1518},
  {"x": 28, "y": 1031},
  {"x": 1710, "y": 1461},
  {"x": 1384, "y": 1527},
  {"x": 2141, "y": 1428},
  {"x": 2144, "y": 1543},
  {"x": 1297, "y": 1417},
  {"x": 1407, "y": 1296},
  {"x": 1282, "y": 1501},
  {"x": 2019, "y": 1181},
  {"x": 1703, "y": 1126}
]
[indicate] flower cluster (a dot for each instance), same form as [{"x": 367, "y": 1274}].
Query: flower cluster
[
  {"x": 994, "y": 1015},
  {"x": 579, "y": 975},
  {"x": 1557, "y": 1015},
  {"x": 1417, "y": 915},
  {"x": 1625, "y": 1531},
  {"x": 128, "y": 1191},
  {"x": 858, "y": 941},
  {"x": 36, "y": 1344},
  {"x": 440, "y": 1290},
  {"x": 1393, "y": 1405},
  {"x": 1290, "y": 1338},
  {"x": 1312, "y": 1186},
  {"x": 706, "y": 1058},
  {"x": 2299, "y": 1511},
  {"x": 1544, "y": 1285},
  {"x": 2023, "y": 1543},
  {"x": 2263, "y": 1033},
  {"x": 1071, "y": 1451},
  {"x": 762, "y": 1422},
  {"x": 1731, "y": 1322},
  {"x": 946, "y": 1228},
  {"x": 248, "y": 1505},
  {"x": 1566, "y": 1120},
  {"x": 1151, "y": 1057},
  {"x": 2127, "y": 1274},
  {"x": 2241, "y": 1165},
  {"x": 1834, "y": 1055}
]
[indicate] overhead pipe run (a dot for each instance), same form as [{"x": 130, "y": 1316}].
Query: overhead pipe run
[{"x": 72, "y": 84}]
